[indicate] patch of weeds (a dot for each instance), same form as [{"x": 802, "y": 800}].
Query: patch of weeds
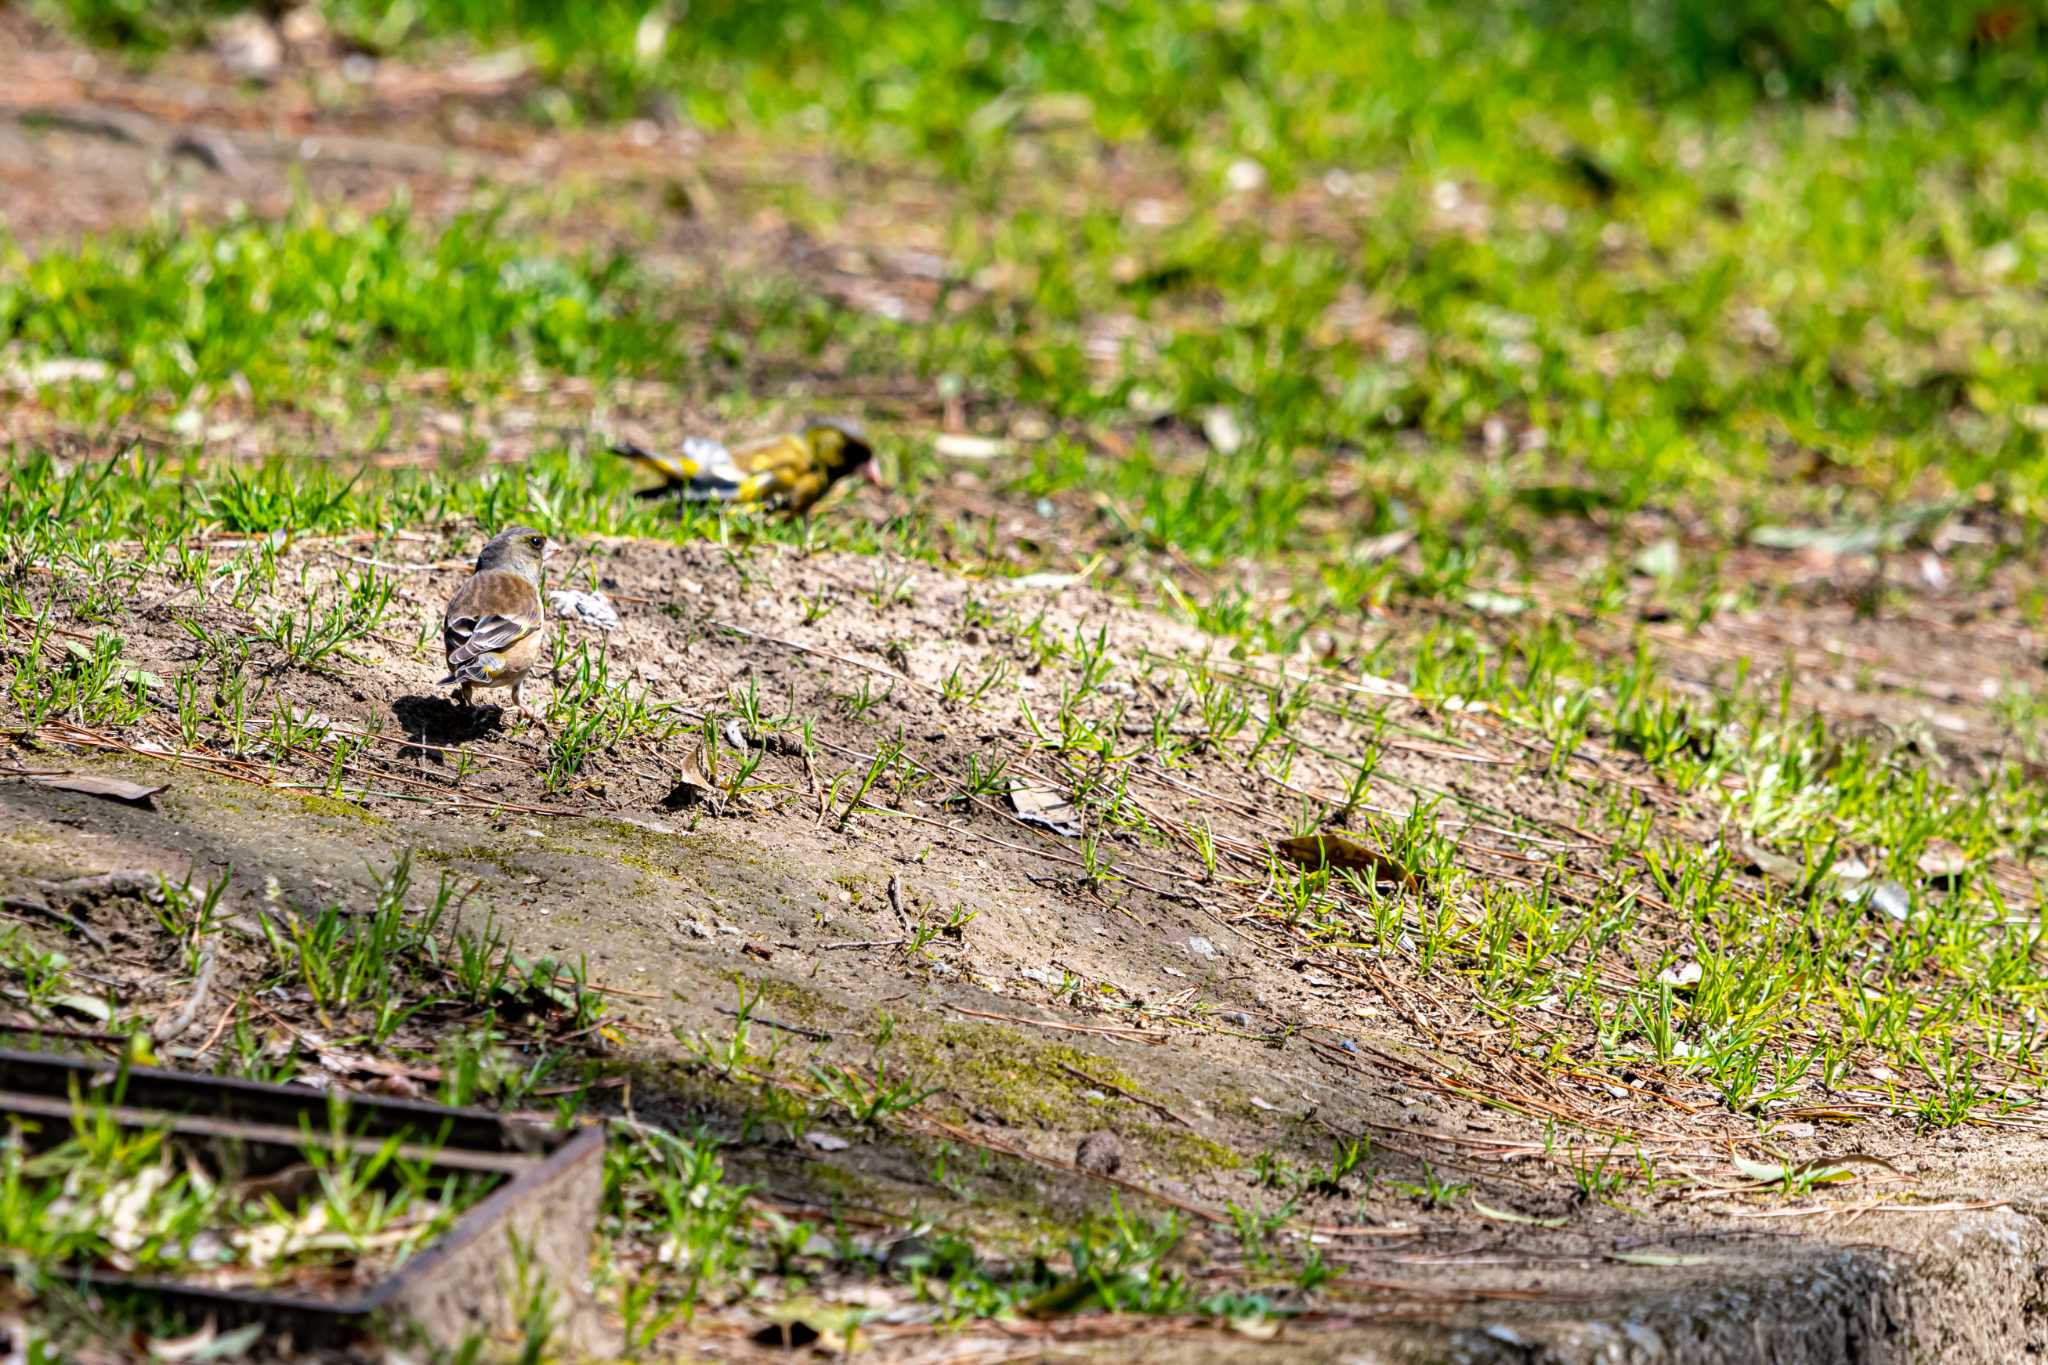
[
  {"x": 326, "y": 624},
  {"x": 344, "y": 961},
  {"x": 403, "y": 980},
  {"x": 868, "y": 1095},
  {"x": 276, "y": 306},
  {"x": 677, "y": 1230},
  {"x": 591, "y": 713},
  {"x": 109, "y": 1194},
  {"x": 1430, "y": 1189}
]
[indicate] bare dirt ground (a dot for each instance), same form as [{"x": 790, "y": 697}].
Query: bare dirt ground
[
  {"x": 1157, "y": 1004},
  {"x": 1161, "y": 1002}
]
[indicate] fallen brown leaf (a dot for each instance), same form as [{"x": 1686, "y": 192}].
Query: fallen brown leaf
[
  {"x": 1337, "y": 852},
  {"x": 1046, "y": 808},
  {"x": 109, "y": 788}
]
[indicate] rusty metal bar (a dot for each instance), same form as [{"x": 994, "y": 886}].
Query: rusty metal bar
[{"x": 464, "y": 1283}]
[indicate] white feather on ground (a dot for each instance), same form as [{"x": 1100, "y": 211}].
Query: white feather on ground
[{"x": 583, "y": 609}]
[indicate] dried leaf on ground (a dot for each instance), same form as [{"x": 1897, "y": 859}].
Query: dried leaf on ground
[
  {"x": 207, "y": 1344},
  {"x": 1493, "y": 1214},
  {"x": 1222, "y": 430},
  {"x": 107, "y": 788},
  {"x": 1826, "y": 1170},
  {"x": 1659, "y": 559},
  {"x": 1373, "y": 549},
  {"x": 692, "y": 788},
  {"x": 1046, "y": 808},
  {"x": 89, "y": 1006},
  {"x": 1942, "y": 861},
  {"x": 1489, "y": 603},
  {"x": 960, "y": 446},
  {"x": 1338, "y": 853},
  {"x": 1682, "y": 976},
  {"x": 125, "y": 671},
  {"x": 1776, "y": 866},
  {"x": 1660, "y": 1258},
  {"x": 1889, "y": 898}
]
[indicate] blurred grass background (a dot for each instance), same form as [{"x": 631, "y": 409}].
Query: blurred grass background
[{"x": 1694, "y": 248}]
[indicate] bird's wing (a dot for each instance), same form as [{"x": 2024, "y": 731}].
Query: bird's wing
[
  {"x": 748, "y": 489},
  {"x": 491, "y": 613},
  {"x": 754, "y": 474},
  {"x": 474, "y": 635},
  {"x": 782, "y": 457},
  {"x": 764, "y": 472},
  {"x": 703, "y": 469}
]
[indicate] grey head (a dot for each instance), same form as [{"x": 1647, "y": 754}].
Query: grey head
[{"x": 518, "y": 549}]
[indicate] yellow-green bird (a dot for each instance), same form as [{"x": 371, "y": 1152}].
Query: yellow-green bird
[
  {"x": 496, "y": 623},
  {"x": 788, "y": 472}
]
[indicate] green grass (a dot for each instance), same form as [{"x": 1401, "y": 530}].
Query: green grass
[
  {"x": 272, "y": 311},
  {"x": 1672, "y": 328},
  {"x": 951, "y": 79}
]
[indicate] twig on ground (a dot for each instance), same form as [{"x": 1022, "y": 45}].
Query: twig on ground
[
  {"x": 896, "y": 900},
  {"x": 1135, "y": 1035},
  {"x": 1114, "y": 1088},
  {"x": 77, "y": 926},
  {"x": 815, "y": 1034},
  {"x": 169, "y": 1030}
]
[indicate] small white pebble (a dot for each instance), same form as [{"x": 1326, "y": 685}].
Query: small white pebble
[{"x": 1245, "y": 176}]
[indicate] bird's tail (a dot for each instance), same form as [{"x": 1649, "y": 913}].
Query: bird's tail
[
  {"x": 639, "y": 454},
  {"x": 636, "y": 452},
  {"x": 697, "y": 485}
]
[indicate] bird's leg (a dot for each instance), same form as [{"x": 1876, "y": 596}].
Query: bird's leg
[
  {"x": 462, "y": 698},
  {"x": 521, "y": 707}
]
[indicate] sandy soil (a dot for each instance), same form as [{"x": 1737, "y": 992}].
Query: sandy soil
[{"x": 1155, "y": 1005}]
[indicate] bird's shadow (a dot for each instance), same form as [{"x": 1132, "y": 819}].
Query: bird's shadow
[{"x": 436, "y": 723}]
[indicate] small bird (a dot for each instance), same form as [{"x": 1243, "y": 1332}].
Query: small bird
[
  {"x": 495, "y": 624},
  {"x": 788, "y": 472}
]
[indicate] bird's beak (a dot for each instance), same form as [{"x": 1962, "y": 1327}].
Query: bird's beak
[
  {"x": 550, "y": 550},
  {"x": 871, "y": 470}
]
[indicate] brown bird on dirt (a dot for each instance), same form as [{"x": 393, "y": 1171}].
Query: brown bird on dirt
[
  {"x": 496, "y": 623},
  {"x": 789, "y": 473}
]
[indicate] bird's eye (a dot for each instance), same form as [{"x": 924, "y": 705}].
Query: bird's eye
[{"x": 536, "y": 541}]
